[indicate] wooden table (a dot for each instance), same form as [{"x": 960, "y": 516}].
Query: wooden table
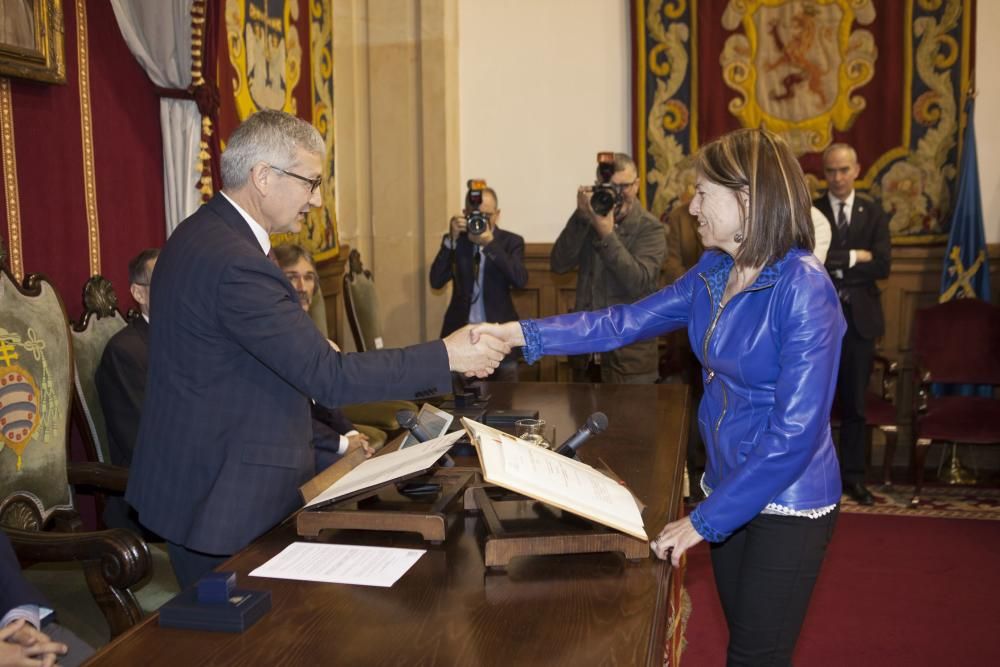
[{"x": 448, "y": 610}]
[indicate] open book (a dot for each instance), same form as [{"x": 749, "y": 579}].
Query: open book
[
  {"x": 555, "y": 479},
  {"x": 388, "y": 468}
]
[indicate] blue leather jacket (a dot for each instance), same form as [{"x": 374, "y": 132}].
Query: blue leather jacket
[{"x": 769, "y": 362}]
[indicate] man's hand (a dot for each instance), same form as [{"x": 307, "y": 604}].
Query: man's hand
[
  {"x": 21, "y": 645},
  {"x": 602, "y": 225},
  {"x": 457, "y": 226},
  {"x": 675, "y": 538},
  {"x": 509, "y": 332},
  {"x": 480, "y": 358},
  {"x": 483, "y": 239},
  {"x": 863, "y": 255},
  {"x": 359, "y": 441},
  {"x": 583, "y": 194}
]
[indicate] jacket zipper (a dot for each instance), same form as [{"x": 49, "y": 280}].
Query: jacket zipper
[
  {"x": 708, "y": 335},
  {"x": 704, "y": 354}
]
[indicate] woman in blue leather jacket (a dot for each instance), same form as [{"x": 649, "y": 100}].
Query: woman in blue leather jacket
[{"x": 765, "y": 322}]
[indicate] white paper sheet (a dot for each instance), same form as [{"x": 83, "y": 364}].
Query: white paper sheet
[
  {"x": 340, "y": 564},
  {"x": 386, "y": 468}
]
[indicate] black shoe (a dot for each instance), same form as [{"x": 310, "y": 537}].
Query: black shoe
[{"x": 859, "y": 494}]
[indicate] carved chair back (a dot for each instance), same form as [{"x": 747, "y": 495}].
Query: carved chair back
[
  {"x": 35, "y": 398},
  {"x": 361, "y": 304},
  {"x": 100, "y": 321}
]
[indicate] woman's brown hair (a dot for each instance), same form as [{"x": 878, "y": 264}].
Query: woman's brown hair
[{"x": 759, "y": 163}]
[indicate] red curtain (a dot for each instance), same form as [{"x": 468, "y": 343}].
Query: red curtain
[{"x": 127, "y": 162}]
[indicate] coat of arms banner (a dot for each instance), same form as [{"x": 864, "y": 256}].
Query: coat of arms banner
[
  {"x": 278, "y": 54},
  {"x": 889, "y": 78}
]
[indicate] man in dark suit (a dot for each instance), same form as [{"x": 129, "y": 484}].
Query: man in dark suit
[
  {"x": 485, "y": 267},
  {"x": 859, "y": 255},
  {"x": 21, "y": 640},
  {"x": 333, "y": 433},
  {"x": 121, "y": 375},
  {"x": 224, "y": 438}
]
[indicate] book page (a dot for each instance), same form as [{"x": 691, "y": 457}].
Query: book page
[
  {"x": 388, "y": 467},
  {"x": 555, "y": 479}
]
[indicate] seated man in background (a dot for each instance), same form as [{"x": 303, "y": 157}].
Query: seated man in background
[
  {"x": 333, "y": 433},
  {"x": 485, "y": 267},
  {"x": 121, "y": 385},
  {"x": 121, "y": 375},
  {"x": 21, "y": 640}
]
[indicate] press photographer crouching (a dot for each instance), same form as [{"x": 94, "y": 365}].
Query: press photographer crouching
[
  {"x": 485, "y": 263},
  {"x": 617, "y": 247}
]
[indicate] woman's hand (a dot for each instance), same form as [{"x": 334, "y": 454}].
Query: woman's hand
[{"x": 675, "y": 538}]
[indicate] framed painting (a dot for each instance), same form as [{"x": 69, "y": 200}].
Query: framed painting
[{"x": 31, "y": 40}]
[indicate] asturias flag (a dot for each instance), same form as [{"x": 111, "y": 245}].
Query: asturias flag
[{"x": 966, "y": 272}]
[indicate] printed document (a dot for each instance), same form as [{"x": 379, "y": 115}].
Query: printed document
[
  {"x": 388, "y": 467},
  {"x": 340, "y": 564},
  {"x": 555, "y": 479}
]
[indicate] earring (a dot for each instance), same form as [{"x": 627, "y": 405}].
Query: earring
[{"x": 738, "y": 237}]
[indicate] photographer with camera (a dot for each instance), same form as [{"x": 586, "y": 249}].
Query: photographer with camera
[
  {"x": 485, "y": 263},
  {"x": 617, "y": 247}
]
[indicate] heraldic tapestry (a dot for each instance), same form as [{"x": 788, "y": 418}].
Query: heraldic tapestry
[
  {"x": 889, "y": 78},
  {"x": 278, "y": 54}
]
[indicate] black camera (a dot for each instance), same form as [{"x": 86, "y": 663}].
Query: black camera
[
  {"x": 606, "y": 195},
  {"x": 477, "y": 222}
]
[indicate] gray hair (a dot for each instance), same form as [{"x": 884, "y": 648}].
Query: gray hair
[
  {"x": 841, "y": 147},
  {"x": 267, "y": 136}
]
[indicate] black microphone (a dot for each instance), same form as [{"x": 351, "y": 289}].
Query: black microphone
[
  {"x": 409, "y": 421},
  {"x": 596, "y": 423}
]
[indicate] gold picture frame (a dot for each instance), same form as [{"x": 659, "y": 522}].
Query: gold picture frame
[{"x": 31, "y": 40}]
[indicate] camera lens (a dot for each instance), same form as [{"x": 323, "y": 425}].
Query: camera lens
[
  {"x": 603, "y": 200},
  {"x": 476, "y": 222}
]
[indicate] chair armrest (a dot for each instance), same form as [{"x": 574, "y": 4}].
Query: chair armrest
[
  {"x": 113, "y": 562},
  {"x": 123, "y": 557},
  {"x": 890, "y": 373},
  {"x": 102, "y": 476}
]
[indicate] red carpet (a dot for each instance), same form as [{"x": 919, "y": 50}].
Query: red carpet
[{"x": 893, "y": 591}]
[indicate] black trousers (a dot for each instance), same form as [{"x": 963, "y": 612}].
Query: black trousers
[
  {"x": 190, "y": 566},
  {"x": 856, "y": 356},
  {"x": 765, "y": 574}
]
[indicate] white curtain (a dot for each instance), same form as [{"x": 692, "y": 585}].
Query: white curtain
[{"x": 158, "y": 32}]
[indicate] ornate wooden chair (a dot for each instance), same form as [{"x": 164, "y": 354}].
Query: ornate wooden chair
[
  {"x": 956, "y": 342},
  {"x": 100, "y": 321},
  {"x": 36, "y": 505},
  {"x": 361, "y": 304},
  {"x": 880, "y": 412}
]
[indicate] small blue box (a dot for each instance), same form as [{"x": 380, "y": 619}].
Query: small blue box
[{"x": 215, "y": 587}]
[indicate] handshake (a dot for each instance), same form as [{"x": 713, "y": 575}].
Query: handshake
[{"x": 477, "y": 349}]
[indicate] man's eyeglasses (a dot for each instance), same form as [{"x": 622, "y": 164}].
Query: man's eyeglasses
[{"x": 313, "y": 182}]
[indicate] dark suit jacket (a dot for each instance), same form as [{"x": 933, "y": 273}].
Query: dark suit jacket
[
  {"x": 224, "y": 438},
  {"x": 504, "y": 270},
  {"x": 328, "y": 424},
  {"x": 121, "y": 385},
  {"x": 14, "y": 589},
  {"x": 869, "y": 230}
]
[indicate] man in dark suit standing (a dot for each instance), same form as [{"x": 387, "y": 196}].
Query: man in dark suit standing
[
  {"x": 485, "y": 267},
  {"x": 224, "y": 438},
  {"x": 121, "y": 375},
  {"x": 859, "y": 255}
]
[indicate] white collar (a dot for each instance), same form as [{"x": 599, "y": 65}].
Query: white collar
[
  {"x": 835, "y": 203},
  {"x": 259, "y": 232}
]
